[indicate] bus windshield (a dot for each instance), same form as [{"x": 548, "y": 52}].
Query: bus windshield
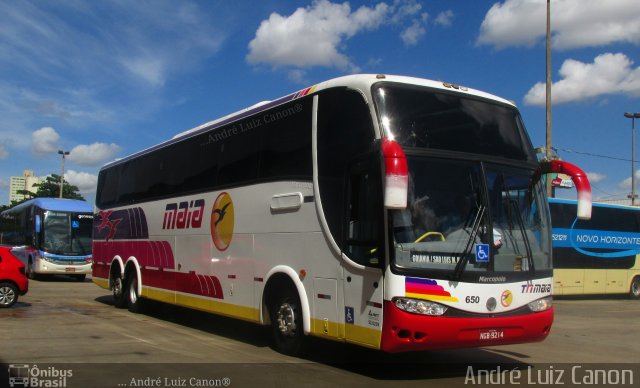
[
  {"x": 465, "y": 216},
  {"x": 66, "y": 233},
  {"x": 471, "y": 209},
  {"x": 426, "y": 118}
]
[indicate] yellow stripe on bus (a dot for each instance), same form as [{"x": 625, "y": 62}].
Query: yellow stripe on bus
[
  {"x": 359, "y": 335},
  {"x": 104, "y": 283},
  {"x": 203, "y": 304}
]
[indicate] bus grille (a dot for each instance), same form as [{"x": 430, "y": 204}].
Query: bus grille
[{"x": 66, "y": 261}]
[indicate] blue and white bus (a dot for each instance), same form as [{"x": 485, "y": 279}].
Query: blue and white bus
[
  {"x": 50, "y": 236},
  {"x": 596, "y": 256}
]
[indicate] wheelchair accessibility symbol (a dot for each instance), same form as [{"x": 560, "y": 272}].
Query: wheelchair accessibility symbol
[{"x": 482, "y": 252}]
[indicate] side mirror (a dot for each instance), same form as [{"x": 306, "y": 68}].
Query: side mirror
[
  {"x": 38, "y": 223},
  {"x": 396, "y": 175},
  {"x": 580, "y": 180}
]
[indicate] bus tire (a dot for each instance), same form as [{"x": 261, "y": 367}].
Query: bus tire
[
  {"x": 286, "y": 323},
  {"x": 133, "y": 298},
  {"x": 8, "y": 295},
  {"x": 634, "y": 291},
  {"x": 79, "y": 278},
  {"x": 31, "y": 273},
  {"x": 119, "y": 292}
]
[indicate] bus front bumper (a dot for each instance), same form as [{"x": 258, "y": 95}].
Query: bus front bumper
[
  {"x": 403, "y": 332},
  {"x": 45, "y": 267}
]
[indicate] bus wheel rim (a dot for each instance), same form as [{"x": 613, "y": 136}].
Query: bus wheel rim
[
  {"x": 133, "y": 292},
  {"x": 285, "y": 317},
  {"x": 635, "y": 288},
  {"x": 117, "y": 287}
]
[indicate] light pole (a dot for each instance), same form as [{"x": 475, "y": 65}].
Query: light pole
[
  {"x": 63, "y": 153},
  {"x": 633, "y": 117},
  {"x": 548, "y": 146}
]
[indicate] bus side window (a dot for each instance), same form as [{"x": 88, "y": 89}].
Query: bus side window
[{"x": 345, "y": 134}]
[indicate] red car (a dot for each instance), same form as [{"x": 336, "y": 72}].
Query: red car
[{"x": 13, "y": 281}]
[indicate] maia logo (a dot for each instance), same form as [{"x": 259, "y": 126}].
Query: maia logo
[{"x": 183, "y": 215}]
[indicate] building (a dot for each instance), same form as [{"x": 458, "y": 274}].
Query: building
[{"x": 24, "y": 182}]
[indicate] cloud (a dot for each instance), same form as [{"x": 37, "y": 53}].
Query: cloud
[
  {"x": 311, "y": 36},
  {"x": 45, "y": 140},
  {"x": 574, "y": 23},
  {"x": 608, "y": 74},
  {"x": 596, "y": 177},
  {"x": 626, "y": 184},
  {"x": 169, "y": 37},
  {"x": 316, "y": 35},
  {"x": 94, "y": 154},
  {"x": 413, "y": 33},
  {"x": 444, "y": 19},
  {"x": 85, "y": 182}
]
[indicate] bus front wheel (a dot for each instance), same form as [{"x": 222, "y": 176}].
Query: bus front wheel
[
  {"x": 286, "y": 324},
  {"x": 31, "y": 273},
  {"x": 635, "y": 288}
]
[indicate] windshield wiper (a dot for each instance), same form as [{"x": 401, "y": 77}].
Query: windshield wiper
[
  {"x": 525, "y": 238},
  {"x": 466, "y": 253}
]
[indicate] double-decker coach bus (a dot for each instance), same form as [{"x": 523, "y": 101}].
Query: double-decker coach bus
[
  {"x": 51, "y": 236},
  {"x": 394, "y": 213},
  {"x": 596, "y": 256}
]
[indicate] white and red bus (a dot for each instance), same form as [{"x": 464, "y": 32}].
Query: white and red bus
[{"x": 394, "y": 213}]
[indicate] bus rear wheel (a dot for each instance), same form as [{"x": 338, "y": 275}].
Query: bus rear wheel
[
  {"x": 286, "y": 324},
  {"x": 119, "y": 297},
  {"x": 634, "y": 292},
  {"x": 135, "y": 302}
]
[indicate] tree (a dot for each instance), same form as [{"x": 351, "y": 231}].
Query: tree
[{"x": 51, "y": 188}]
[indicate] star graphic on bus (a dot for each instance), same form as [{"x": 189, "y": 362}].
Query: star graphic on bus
[{"x": 107, "y": 223}]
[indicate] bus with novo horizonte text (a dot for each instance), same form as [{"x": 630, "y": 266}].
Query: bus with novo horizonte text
[
  {"x": 390, "y": 212},
  {"x": 51, "y": 236},
  {"x": 596, "y": 256}
]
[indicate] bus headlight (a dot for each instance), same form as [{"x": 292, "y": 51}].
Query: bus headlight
[
  {"x": 541, "y": 304},
  {"x": 418, "y": 306}
]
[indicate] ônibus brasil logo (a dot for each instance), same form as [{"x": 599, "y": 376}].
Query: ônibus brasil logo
[
  {"x": 222, "y": 219},
  {"x": 25, "y": 375}
]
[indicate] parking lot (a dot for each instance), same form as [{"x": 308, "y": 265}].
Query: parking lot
[{"x": 62, "y": 327}]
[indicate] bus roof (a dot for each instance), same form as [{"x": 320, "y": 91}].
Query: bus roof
[
  {"x": 594, "y": 204},
  {"x": 59, "y": 204},
  {"x": 357, "y": 81}
]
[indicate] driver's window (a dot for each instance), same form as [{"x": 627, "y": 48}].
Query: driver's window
[{"x": 364, "y": 218}]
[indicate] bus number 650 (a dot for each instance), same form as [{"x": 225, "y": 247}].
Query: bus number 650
[{"x": 472, "y": 299}]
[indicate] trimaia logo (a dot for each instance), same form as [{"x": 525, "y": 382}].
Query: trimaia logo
[
  {"x": 530, "y": 288},
  {"x": 222, "y": 221},
  {"x": 24, "y": 375}
]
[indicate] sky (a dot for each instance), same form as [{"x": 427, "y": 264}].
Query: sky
[{"x": 104, "y": 79}]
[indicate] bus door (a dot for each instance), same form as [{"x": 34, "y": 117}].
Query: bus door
[{"x": 364, "y": 245}]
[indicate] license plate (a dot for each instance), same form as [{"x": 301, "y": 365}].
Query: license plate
[
  {"x": 491, "y": 334},
  {"x": 70, "y": 269}
]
